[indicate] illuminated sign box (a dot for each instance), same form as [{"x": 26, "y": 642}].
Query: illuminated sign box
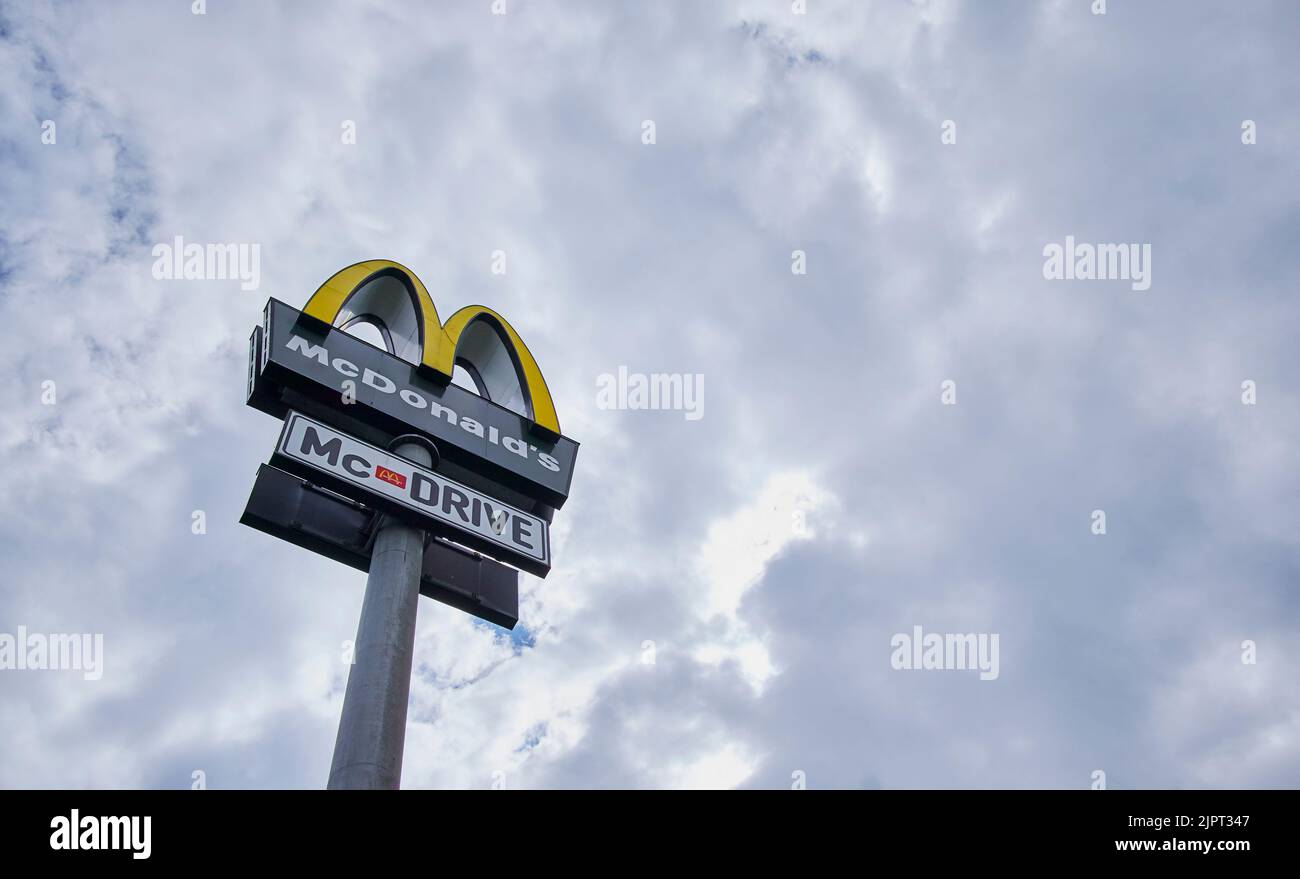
[
  {"x": 295, "y": 358},
  {"x": 398, "y": 486}
]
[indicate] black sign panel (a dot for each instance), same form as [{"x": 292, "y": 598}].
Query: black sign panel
[
  {"x": 293, "y": 355},
  {"x": 310, "y": 516}
]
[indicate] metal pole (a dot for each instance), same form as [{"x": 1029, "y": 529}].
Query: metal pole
[{"x": 372, "y": 726}]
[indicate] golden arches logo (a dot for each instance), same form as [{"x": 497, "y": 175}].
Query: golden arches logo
[{"x": 438, "y": 343}]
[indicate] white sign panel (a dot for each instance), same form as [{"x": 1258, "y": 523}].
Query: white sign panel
[{"x": 475, "y": 519}]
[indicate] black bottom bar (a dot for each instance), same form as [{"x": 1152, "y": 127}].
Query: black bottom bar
[{"x": 1161, "y": 828}]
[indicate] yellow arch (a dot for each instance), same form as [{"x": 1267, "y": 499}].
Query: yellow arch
[
  {"x": 438, "y": 340},
  {"x": 539, "y": 395}
]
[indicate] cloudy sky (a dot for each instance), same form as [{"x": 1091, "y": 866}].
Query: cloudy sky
[{"x": 726, "y": 588}]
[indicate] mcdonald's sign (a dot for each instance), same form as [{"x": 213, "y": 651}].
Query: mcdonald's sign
[{"x": 502, "y": 438}]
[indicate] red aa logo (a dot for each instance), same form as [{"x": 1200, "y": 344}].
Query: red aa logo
[{"x": 389, "y": 476}]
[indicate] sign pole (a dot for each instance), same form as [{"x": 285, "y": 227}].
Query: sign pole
[{"x": 372, "y": 726}]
